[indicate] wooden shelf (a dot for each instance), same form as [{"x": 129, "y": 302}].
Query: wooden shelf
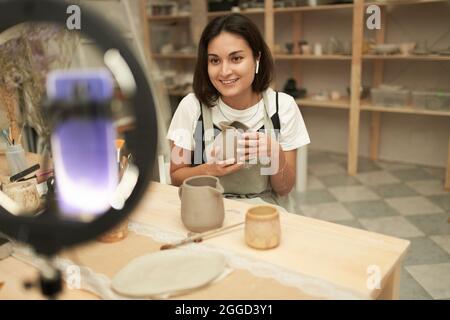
[
  {"x": 401, "y": 2},
  {"x": 177, "y": 93},
  {"x": 367, "y": 106},
  {"x": 406, "y": 58},
  {"x": 313, "y": 8},
  {"x": 342, "y": 103},
  {"x": 169, "y": 18},
  {"x": 350, "y": 5},
  {"x": 243, "y": 12},
  {"x": 174, "y": 56},
  {"x": 311, "y": 57}
]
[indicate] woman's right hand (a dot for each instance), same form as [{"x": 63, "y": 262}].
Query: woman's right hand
[{"x": 219, "y": 168}]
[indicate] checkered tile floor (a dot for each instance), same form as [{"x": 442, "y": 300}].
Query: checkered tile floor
[{"x": 402, "y": 200}]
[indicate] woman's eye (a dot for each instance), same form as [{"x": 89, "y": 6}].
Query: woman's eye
[
  {"x": 214, "y": 61},
  {"x": 236, "y": 59}
]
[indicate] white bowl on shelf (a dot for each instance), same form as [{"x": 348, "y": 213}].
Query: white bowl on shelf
[{"x": 385, "y": 48}]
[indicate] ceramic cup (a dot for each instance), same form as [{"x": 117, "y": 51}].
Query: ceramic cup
[
  {"x": 306, "y": 49},
  {"x": 226, "y": 141},
  {"x": 202, "y": 206},
  {"x": 262, "y": 227}
]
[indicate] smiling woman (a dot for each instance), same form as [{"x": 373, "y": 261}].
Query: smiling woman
[{"x": 231, "y": 89}]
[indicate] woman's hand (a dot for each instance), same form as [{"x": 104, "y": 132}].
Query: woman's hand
[
  {"x": 221, "y": 168},
  {"x": 258, "y": 145}
]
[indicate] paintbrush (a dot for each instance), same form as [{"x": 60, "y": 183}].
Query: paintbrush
[{"x": 198, "y": 237}]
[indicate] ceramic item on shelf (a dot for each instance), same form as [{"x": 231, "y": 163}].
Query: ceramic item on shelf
[
  {"x": 202, "y": 206},
  {"x": 421, "y": 48},
  {"x": 168, "y": 273},
  {"x": 321, "y": 96},
  {"x": 290, "y": 87},
  {"x": 335, "y": 95},
  {"x": 347, "y": 48},
  {"x": 306, "y": 49},
  {"x": 407, "y": 48},
  {"x": 262, "y": 227},
  {"x": 385, "y": 48},
  {"x": 290, "y": 47},
  {"x": 317, "y": 49},
  {"x": 167, "y": 48}
]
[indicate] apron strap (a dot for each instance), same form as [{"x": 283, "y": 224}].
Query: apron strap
[{"x": 208, "y": 130}]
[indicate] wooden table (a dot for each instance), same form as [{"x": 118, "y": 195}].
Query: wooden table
[{"x": 346, "y": 257}]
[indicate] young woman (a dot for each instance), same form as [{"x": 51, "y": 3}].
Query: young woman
[{"x": 231, "y": 85}]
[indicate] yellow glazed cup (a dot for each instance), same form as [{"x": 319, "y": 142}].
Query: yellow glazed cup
[{"x": 262, "y": 227}]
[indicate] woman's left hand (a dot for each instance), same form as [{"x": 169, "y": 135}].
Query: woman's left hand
[{"x": 254, "y": 145}]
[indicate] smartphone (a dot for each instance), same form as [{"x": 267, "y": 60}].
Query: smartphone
[{"x": 83, "y": 141}]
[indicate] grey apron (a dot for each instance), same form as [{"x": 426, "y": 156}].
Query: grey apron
[{"x": 247, "y": 183}]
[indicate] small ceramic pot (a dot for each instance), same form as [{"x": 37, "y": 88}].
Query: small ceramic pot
[{"x": 262, "y": 227}]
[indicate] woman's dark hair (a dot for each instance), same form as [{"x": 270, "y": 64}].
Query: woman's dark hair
[{"x": 244, "y": 27}]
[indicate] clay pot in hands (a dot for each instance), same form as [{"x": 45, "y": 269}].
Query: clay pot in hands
[
  {"x": 226, "y": 142},
  {"x": 202, "y": 207}
]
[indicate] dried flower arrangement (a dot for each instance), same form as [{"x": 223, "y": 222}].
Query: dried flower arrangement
[{"x": 24, "y": 63}]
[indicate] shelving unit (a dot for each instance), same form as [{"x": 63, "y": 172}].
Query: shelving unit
[
  {"x": 311, "y": 57},
  {"x": 249, "y": 12},
  {"x": 174, "y": 56},
  {"x": 353, "y": 104},
  {"x": 169, "y": 18},
  {"x": 335, "y": 104},
  {"x": 407, "y": 58}
]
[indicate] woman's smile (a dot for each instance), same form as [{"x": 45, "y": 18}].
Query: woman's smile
[{"x": 229, "y": 82}]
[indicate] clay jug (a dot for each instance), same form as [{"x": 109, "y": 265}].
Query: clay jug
[{"x": 202, "y": 206}]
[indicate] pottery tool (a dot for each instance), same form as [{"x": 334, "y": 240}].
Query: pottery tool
[
  {"x": 199, "y": 237},
  {"x": 24, "y": 173}
]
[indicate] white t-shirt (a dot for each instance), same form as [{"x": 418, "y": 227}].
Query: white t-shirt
[{"x": 293, "y": 133}]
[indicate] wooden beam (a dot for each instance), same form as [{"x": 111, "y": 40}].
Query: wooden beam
[
  {"x": 146, "y": 32},
  {"x": 378, "y": 78},
  {"x": 375, "y": 128},
  {"x": 269, "y": 26},
  {"x": 357, "y": 37},
  {"x": 297, "y": 35},
  {"x": 447, "y": 176},
  {"x": 199, "y": 19}
]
